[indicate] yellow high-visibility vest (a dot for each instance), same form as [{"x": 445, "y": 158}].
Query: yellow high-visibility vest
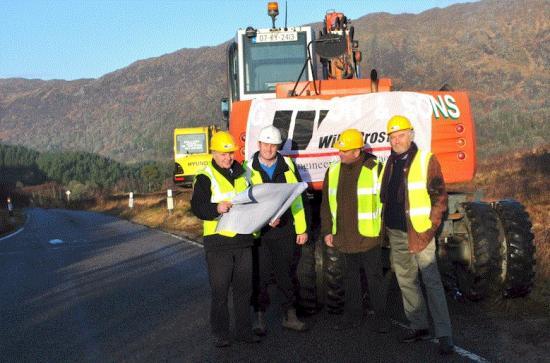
[
  {"x": 368, "y": 199},
  {"x": 420, "y": 204},
  {"x": 297, "y": 206},
  {"x": 222, "y": 190}
]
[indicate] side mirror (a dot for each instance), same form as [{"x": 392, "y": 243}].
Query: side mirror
[{"x": 225, "y": 108}]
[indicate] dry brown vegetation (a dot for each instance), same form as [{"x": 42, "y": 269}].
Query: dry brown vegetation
[{"x": 151, "y": 210}]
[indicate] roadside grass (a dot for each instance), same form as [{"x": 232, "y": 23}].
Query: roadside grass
[
  {"x": 10, "y": 224},
  {"x": 151, "y": 210}
]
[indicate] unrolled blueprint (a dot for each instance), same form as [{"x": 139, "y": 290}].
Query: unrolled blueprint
[{"x": 259, "y": 205}]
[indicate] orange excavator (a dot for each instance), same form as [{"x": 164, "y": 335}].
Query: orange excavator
[{"x": 311, "y": 88}]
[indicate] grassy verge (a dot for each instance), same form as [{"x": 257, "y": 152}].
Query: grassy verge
[
  {"x": 10, "y": 224},
  {"x": 150, "y": 210}
]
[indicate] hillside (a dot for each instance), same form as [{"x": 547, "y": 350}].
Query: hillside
[{"x": 498, "y": 50}]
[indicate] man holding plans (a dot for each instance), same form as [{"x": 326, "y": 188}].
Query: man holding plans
[
  {"x": 228, "y": 254},
  {"x": 278, "y": 240}
]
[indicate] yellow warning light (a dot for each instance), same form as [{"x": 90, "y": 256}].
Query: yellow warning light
[{"x": 272, "y": 8}]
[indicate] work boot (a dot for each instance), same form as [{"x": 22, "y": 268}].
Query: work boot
[
  {"x": 415, "y": 335},
  {"x": 446, "y": 345},
  {"x": 290, "y": 321},
  {"x": 259, "y": 324}
]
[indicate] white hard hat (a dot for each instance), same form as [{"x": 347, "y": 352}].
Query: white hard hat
[{"x": 270, "y": 135}]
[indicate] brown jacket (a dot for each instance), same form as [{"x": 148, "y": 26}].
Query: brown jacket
[
  {"x": 438, "y": 197},
  {"x": 347, "y": 238}
]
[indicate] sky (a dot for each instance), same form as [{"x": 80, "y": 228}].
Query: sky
[{"x": 72, "y": 39}]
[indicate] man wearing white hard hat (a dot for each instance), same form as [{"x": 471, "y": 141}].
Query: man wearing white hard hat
[{"x": 279, "y": 240}]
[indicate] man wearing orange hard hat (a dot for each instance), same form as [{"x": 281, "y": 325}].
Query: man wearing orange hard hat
[
  {"x": 350, "y": 222},
  {"x": 228, "y": 254},
  {"x": 414, "y": 200}
]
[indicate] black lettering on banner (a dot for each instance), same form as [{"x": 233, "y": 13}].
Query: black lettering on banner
[
  {"x": 281, "y": 120},
  {"x": 382, "y": 137},
  {"x": 326, "y": 141},
  {"x": 303, "y": 129},
  {"x": 373, "y": 137},
  {"x": 322, "y": 116},
  {"x": 365, "y": 137}
]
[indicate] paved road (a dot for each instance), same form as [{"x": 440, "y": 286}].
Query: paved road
[{"x": 116, "y": 291}]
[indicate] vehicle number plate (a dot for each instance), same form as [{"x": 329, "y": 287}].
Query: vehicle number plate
[{"x": 277, "y": 37}]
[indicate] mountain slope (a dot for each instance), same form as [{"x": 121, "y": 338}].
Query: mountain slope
[{"x": 497, "y": 50}]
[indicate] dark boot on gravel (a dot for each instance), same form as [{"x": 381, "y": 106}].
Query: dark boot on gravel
[
  {"x": 259, "y": 324},
  {"x": 290, "y": 321},
  {"x": 415, "y": 335},
  {"x": 446, "y": 346}
]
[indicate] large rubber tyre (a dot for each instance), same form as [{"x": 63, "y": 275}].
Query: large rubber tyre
[
  {"x": 334, "y": 281},
  {"x": 517, "y": 249},
  {"x": 475, "y": 278},
  {"x": 308, "y": 303}
]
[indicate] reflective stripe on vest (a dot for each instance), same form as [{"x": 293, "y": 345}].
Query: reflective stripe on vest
[
  {"x": 420, "y": 205},
  {"x": 368, "y": 199},
  {"x": 222, "y": 190},
  {"x": 297, "y": 206}
]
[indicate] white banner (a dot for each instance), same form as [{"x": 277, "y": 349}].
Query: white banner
[{"x": 310, "y": 126}]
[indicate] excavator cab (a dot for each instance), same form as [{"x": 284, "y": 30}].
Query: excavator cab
[{"x": 259, "y": 59}]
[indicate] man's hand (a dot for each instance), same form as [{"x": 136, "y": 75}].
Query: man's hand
[
  {"x": 329, "y": 239},
  {"x": 224, "y": 207},
  {"x": 275, "y": 223},
  {"x": 301, "y": 238}
]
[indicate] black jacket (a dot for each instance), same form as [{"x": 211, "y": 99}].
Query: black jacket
[
  {"x": 206, "y": 210},
  {"x": 286, "y": 227}
]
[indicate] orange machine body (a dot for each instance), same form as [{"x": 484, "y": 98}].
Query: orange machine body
[{"x": 453, "y": 133}]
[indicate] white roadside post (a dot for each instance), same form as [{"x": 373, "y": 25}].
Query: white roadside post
[
  {"x": 169, "y": 200},
  {"x": 131, "y": 200},
  {"x": 68, "y": 193}
]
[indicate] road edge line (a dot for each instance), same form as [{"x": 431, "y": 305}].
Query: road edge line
[
  {"x": 458, "y": 350},
  {"x": 183, "y": 239},
  {"x": 12, "y": 234}
]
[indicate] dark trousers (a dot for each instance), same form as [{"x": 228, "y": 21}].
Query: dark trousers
[
  {"x": 371, "y": 262},
  {"x": 274, "y": 255},
  {"x": 230, "y": 268}
]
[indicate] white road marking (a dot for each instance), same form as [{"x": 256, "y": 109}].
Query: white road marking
[
  {"x": 458, "y": 350},
  {"x": 183, "y": 239},
  {"x": 12, "y": 234},
  {"x": 55, "y": 241},
  {"x": 20, "y": 229}
]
